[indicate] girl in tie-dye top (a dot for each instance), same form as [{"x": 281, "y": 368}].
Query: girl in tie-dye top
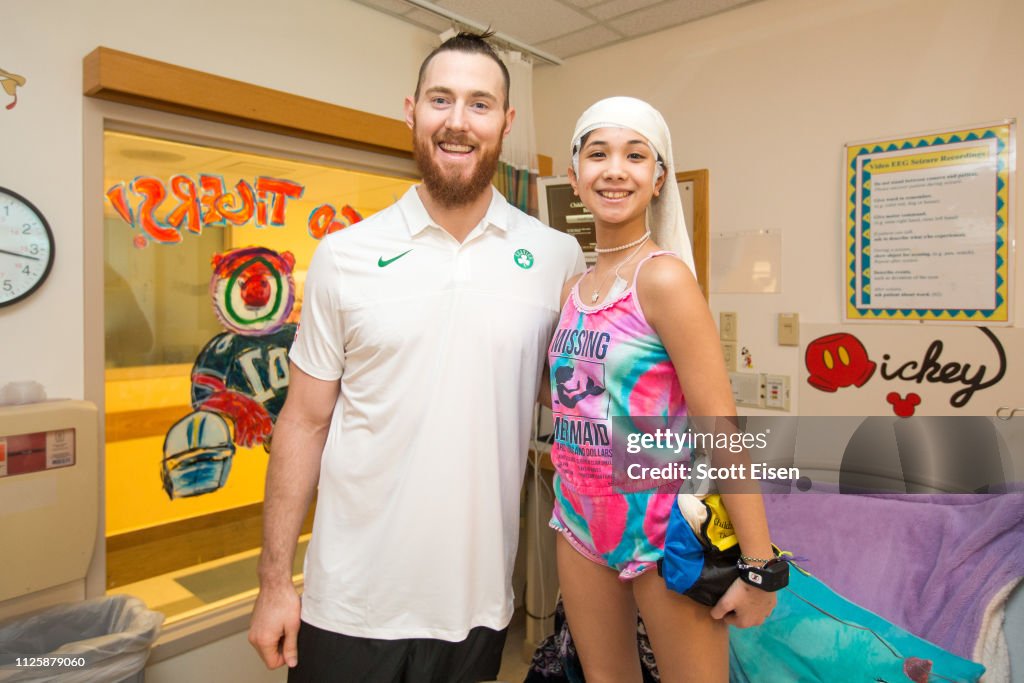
[{"x": 636, "y": 338}]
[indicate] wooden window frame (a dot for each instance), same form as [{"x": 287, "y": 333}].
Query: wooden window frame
[
  {"x": 701, "y": 224},
  {"x": 129, "y": 79}
]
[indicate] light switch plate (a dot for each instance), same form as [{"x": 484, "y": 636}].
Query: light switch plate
[
  {"x": 789, "y": 329},
  {"x": 727, "y": 325},
  {"x": 729, "y": 351}
]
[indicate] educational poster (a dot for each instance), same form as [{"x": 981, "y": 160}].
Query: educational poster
[
  {"x": 901, "y": 371},
  {"x": 928, "y": 226}
]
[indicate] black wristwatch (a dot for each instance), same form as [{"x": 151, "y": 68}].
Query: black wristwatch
[{"x": 771, "y": 577}]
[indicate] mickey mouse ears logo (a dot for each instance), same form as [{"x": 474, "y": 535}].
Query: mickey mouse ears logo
[{"x": 903, "y": 407}]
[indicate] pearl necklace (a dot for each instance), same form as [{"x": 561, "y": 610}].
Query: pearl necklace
[
  {"x": 609, "y": 250},
  {"x": 639, "y": 245}
]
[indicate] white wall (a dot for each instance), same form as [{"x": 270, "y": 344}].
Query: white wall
[
  {"x": 335, "y": 51},
  {"x": 224, "y": 660},
  {"x": 766, "y": 95}
]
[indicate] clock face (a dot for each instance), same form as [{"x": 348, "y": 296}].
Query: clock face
[{"x": 26, "y": 247}]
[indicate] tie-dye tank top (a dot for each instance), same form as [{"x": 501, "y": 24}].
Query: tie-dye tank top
[{"x": 605, "y": 361}]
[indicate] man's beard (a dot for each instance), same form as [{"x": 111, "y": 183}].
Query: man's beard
[{"x": 452, "y": 190}]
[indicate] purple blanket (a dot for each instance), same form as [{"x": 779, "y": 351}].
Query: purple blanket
[{"x": 928, "y": 563}]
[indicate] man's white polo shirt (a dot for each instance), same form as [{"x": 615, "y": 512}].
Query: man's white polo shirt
[{"x": 439, "y": 347}]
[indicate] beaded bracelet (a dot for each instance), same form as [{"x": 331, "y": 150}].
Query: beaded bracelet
[{"x": 748, "y": 560}]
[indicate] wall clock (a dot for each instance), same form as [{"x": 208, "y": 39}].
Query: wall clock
[{"x": 26, "y": 247}]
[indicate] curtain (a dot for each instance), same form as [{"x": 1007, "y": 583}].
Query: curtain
[{"x": 516, "y": 177}]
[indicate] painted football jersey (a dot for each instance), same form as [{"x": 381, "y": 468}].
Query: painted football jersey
[{"x": 256, "y": 367}]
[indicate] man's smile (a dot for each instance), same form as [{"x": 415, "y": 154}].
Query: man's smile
[{"x": 454, "y": 148}]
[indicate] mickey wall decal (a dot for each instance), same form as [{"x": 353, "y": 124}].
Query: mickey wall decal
[{"x": 835, "y": 361}]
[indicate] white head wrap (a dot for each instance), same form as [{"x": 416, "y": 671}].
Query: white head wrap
[{"x": 665, "y": 214}]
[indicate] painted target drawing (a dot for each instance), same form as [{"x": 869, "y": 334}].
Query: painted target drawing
[{"x": 252, "y": 290}]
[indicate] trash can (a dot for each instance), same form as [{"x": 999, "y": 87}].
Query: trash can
[{"x": 104, "y": 639}]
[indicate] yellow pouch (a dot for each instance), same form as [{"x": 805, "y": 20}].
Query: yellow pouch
[{"x": 717, "y": 529}]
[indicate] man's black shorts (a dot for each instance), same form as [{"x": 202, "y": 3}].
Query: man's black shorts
[{"x": 327, "y": 657}]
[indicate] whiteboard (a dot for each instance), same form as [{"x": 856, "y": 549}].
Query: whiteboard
[{"x": 747, "y": 262}]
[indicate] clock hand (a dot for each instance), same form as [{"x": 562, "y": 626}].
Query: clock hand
[{"x": 13, "y": 253}]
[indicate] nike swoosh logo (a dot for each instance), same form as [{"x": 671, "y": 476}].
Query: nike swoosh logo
[{"x": 381, "y": 262}]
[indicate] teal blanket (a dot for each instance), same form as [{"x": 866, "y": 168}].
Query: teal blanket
[{"x": 816, "y": 635}]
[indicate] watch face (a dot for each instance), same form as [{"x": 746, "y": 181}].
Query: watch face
[{"x": 26, "y": 247}]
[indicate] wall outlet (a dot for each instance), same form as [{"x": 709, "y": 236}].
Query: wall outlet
[
  {"x": 727, "y": 326},
  {"x": 746, "y": 389},
  {"x": 776, "y": 392},
  {"x": 789, "y": 329}
]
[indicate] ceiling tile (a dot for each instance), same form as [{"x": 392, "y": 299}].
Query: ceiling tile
[
  {"x": 581, "y": 41},
  {"x": 670, "y": 13},
  {"x": 530, "y": 21},
  {"x": 428, "y": 20},
  {"x": 391, "y": 6},
  {"x": 616, "y": 8},
  {"x": 557, "y": 26}
]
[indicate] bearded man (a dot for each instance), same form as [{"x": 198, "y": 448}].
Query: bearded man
[{"x": 413, "y": 377}]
